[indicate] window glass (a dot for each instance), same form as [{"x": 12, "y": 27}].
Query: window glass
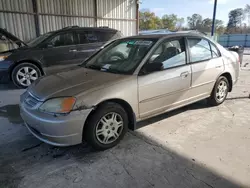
[
  {"x": 121, "y": 56},
  {"x": 86, "y": 37},
  {"x": 91, "y": 36},
  {"x": 170, "y": 54},
  {"x": 39, "y": 39},
  {"x": 105, "y": 36},
  {"x": 63, "y": 39},
  {"x": 82, "y": 38},
  {"x": 199, "y": 49},
  {"x": 215, "y": 52}
]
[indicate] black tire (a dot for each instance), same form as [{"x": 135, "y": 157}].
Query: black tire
[
  {"x": 213, "y": 100},
  {"x": 20, "y": 66},
  {"x": 89, "y": 134}
]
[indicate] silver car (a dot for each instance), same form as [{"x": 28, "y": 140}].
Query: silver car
[{"x": 129, "y": 80}]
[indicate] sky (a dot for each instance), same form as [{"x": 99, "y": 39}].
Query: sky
[{"x": 185, "y": 8}]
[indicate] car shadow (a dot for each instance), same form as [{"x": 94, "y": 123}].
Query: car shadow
[
  {"x": 8, "y": 86},
  {"x": 198, "y": 105},
  {"x": 238, "y": 98},
  {"x": 138, "y": 161},
  {"x": 12, "y": 113}
]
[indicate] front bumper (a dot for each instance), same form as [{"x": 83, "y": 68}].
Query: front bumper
[
  {"x": 5, "y": 67},
  {"x": 4, "y": 76},
  {"x": 58, "y": 131}
]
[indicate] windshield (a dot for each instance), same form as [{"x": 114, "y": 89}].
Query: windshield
[
  {"x": 39, "y": 39},
  {"x": 122, "y": 56}
]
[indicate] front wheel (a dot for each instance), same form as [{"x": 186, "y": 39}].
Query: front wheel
[
  {"x": 106, "y": 127},
  {"x": 220, "y": 91},
  {"x": 24, "y": 74}
]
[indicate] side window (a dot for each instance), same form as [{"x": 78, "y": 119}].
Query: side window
[
  {"x": 199, "y": 49},
  {"x": 105, "y": 36},
  {"x": 63, "y": 39},
  {"x": 86, "y": 37},
  {"x": 170, "y": 54},
  {"x": 215, "y": 52},
  {"x": 82, "y": 38},
  {"x": 91, "y": 36}
]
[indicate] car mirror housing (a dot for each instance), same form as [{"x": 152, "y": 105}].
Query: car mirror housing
[{"x": 152, "y": 67}]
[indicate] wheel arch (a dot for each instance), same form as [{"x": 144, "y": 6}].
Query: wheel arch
[
  {"x": 127, "y": 107},
  {"x": 229, "y": 78}
]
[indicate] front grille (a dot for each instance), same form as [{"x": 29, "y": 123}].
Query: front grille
[{"x": 31, "y": 101}]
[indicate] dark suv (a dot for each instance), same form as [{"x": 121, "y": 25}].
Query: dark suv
[{"x": 51, "y": 52}]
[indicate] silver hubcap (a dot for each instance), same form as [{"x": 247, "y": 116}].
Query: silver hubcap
[
  {"x": 221, "y": 91},
  {"x": 26, "y": 75},
  {"x": 109, "y": 128}
]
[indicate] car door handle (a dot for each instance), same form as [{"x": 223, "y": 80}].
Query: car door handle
[
  {"x": 184, "y": 74},
  {"x": 73, "y": 50},
  {"x": 218, "y": 66}
]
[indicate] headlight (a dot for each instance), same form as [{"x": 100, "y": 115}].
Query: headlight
[
  {"x": 3, "y": 58},
  {"x": 58, "y": 105}
]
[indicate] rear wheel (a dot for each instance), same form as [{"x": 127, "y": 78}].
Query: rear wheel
[
  {"x": 24, "y": 74},
  {"x": 106, "y": 127},
  {"x": 220, "y": 91}
]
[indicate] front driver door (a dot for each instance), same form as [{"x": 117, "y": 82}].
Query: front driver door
[
  {"x": 60, "y": 52},
  {"x": 165, "y": 89}
]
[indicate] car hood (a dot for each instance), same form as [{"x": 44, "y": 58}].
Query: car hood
[
  {"x": 73, "y": 82},
  {"x": 12, "y": 37}
]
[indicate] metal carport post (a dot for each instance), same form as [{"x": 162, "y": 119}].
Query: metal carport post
[{"x": 214, "y": 17}]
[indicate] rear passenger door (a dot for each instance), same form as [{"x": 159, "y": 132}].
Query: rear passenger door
[
  {"x": 88, "y": 43},
  {"x": 206, "y": 64}
]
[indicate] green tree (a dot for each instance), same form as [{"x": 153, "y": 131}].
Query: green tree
[
  {"x": 247, "y": 13},
  {"x": 180, "y": 23},
  {"x": 148, "y": 20},
  {"x": 169, "y": 21},
  {"x": 236, "y": 17},
  {"x": 195, "y": 21},
  {"x": 207, "y": 24}
]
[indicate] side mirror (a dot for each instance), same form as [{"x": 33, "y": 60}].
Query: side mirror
[{"x": 152, "y": 67}]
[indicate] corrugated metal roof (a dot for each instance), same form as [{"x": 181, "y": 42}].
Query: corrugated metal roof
[
  {"x": 16, "y": 5},
  {"x": 52, "y": 23},
  {"x": 123, "y": 9},
  {"x": 56, "y": 14},
  {"x": 21, "y": 25},
  {"x": 126, "y": 27},
  {"x": 66, "y": 7}
]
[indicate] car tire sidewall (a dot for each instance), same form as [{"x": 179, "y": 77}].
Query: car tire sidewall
[
  {"x": 17, "y": 68},
  {"x": 89, "y": 133},
  {"x": 214, "y": 98}
]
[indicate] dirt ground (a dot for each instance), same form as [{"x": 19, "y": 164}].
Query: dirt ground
[{"x": 195, "y": 146}]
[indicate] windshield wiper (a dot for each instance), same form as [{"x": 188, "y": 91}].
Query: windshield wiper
[
  {"x": 93, "y": 67},
  {"x": 112, "y": 71},
  {"x": 96, "y": 67}
]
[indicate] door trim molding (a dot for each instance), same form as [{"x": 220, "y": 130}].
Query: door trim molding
[{"x": 164, "y": 95}]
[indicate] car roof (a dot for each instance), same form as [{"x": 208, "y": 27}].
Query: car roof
[
  {"x": 75, "y": 28},
  {"x": 167, "y": 35}
]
